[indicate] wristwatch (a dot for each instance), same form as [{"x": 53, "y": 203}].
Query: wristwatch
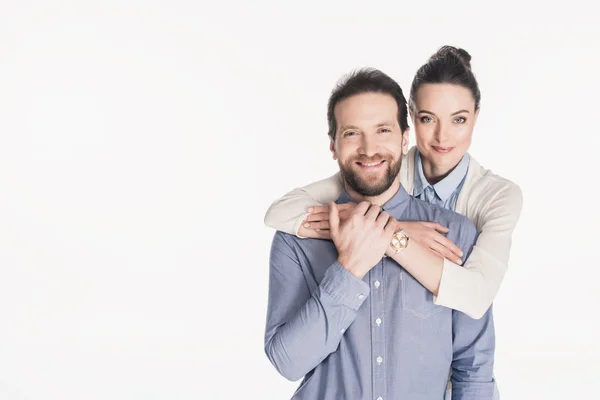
[{"x": 399, "y": 242}]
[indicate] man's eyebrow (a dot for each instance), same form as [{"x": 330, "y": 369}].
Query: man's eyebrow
[
  {"x": 346, "y": 127},
  {"x": 385, "y": 123}
]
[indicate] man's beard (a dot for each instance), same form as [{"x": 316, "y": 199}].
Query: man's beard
[{"x": 374, "y": 188}]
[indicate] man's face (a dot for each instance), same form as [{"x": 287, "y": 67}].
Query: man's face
[{"x": 369, "y": 142}]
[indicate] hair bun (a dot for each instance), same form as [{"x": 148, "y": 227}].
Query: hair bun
[{"x": 459, "y": 53}]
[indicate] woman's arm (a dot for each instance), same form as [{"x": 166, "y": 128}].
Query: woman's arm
[
  {"x": 470, "y": 288},
  {"x": 287, "y": 213},
  {"x": 473, "y": 287}
]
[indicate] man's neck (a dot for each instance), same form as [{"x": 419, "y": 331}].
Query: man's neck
[{"x": 377, "y": 200}]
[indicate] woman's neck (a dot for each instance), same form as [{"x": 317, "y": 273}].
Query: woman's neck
[{"x": 433, "y": 173}]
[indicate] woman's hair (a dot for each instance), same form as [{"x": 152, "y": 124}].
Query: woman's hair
[{"x": 448, "y": 65}]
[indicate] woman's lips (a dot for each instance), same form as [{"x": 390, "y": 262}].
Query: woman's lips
[{"x": 442, "y": 150}]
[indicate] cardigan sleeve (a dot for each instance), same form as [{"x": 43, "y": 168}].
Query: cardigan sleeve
[
  {"x": 287, "y": 213},
  {"x": 472, "y": 287}
]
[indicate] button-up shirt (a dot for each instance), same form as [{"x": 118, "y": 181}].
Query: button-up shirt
[
  {"x": 446, "y": 191},
  {"x": 376, "y": 338}
]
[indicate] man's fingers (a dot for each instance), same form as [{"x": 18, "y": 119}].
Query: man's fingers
[
  {"x": 373, "y": 212},
  {"x": 334, "y": 219},
  {"x": 362, "y": 208},
  {"x": 382, "y": 219},
  {"x": 346, "y": 206},
  {"x": 344, "y": 215}
]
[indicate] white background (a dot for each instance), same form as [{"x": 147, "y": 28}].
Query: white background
[{"x": 142, "y": 142}]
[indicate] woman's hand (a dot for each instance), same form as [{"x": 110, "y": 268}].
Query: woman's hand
[
  {"x": 316, "y": 224},
  {"x": 429, "y": 234}
]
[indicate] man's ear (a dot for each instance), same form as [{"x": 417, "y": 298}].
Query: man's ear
[
  {"x": 405, "y": 141},
  {"x": 332, "y": 147}
]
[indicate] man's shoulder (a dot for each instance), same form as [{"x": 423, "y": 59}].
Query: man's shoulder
[{"x": 283, "y": 239}]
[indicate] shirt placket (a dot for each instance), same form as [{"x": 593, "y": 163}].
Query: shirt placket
[{"x": 377, "y": 332}]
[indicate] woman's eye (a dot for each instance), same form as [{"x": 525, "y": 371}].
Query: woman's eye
[
  {"x": 460, "y": 120},
  {"x": 426, "y": 119}
]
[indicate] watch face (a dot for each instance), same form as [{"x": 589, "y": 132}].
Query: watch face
[
  {"x": 403, "y": 242},
  {"x": 400, "y": 241}
]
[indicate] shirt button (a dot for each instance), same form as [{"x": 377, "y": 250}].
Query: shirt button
[
  {"x": 342, "y": 331},
  {"x": 379, "y": 360},
  {"x": 377, "y": 284},
  {"x": 378, "y": 321},
  {"x": 361, "y": 296},
  {"x": 380, "y": 398}
]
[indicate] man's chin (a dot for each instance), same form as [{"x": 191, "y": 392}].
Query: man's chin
[{"x": 372, "y": 188}]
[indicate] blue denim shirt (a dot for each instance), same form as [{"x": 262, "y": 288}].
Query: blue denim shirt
[
  {"x": 445, "y": 192},
  {"x": 378, "y": 338}
]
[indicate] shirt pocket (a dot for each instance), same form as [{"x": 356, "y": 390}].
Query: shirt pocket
[{"x": 416, "y": 299}]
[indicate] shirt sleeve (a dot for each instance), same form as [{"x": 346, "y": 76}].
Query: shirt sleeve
[
  {"x": 473, "y": 341},
  {"x": 471, "y": 288},
  {"x": 287, "y": 213},
  {"x": 473, "y": 347},
  {"x": 303, "y": 328}
]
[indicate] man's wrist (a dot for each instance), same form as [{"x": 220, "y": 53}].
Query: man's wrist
[{"x": 350, "y": 266}]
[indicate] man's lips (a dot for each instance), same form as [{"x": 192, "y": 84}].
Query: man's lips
[
  {"x": 441, "y": 149},
  {"x": 370, "y": 165}
]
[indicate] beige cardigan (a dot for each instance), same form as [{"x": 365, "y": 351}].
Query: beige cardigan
[{"x": 491, "y": 202}]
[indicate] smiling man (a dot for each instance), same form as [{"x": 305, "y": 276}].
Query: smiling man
[{"x": 350, "y": 321}]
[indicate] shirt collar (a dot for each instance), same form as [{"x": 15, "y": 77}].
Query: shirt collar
[
  {"x": 444, "y": 188},
  {"x": 397, "y": 204}
]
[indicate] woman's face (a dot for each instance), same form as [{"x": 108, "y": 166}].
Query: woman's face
[{"x": 444, "y": 116}]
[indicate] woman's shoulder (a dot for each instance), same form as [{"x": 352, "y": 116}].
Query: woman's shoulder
[{"x": 487, "y": 182}]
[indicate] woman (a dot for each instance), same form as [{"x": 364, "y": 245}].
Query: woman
[{"x": 444, "y": 105}]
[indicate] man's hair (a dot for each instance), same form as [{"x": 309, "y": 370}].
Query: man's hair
[{"x": 366, "y": 80}]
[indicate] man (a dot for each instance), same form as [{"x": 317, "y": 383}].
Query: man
[{"x": 349, "y": 320}]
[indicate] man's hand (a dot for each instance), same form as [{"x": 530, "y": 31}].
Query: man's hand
[{"x": 362, "y": 239}]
